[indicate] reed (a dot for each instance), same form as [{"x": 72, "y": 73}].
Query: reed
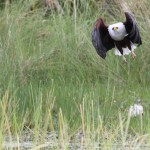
[{"x": 52, "y": 80}]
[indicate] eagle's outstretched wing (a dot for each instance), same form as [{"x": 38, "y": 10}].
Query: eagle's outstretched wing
[
  {"x": 132, "y": 29},
  {"x": 101, "y": 39}
]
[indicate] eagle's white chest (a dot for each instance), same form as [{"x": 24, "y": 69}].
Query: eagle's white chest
[{"x": 118, "y": 34}]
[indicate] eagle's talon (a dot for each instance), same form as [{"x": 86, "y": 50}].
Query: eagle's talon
[
  {"x": 133, "y": 55},
  {"x": 124, "y": 59}
]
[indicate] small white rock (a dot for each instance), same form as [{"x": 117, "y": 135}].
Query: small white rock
[{"x": 136, "y": 110}]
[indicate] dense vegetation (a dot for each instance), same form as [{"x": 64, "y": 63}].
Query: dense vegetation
[{"x": 52, "y": 79}]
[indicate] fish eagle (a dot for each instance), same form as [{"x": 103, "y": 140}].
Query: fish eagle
[{"x": 122, "y": 36}]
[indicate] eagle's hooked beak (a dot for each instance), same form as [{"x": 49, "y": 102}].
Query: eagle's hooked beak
[{"x": 115, "y": 28}]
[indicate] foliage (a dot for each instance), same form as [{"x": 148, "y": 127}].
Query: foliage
[{"x": 52, "y": 79}]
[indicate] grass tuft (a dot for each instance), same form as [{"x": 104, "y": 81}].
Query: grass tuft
[{"x": 52, "y": 80}]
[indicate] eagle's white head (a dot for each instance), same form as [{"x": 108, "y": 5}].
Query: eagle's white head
[{"x": 117, "y": 31}]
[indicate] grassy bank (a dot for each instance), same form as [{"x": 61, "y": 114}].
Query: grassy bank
[{"x": 51, "y": 78}]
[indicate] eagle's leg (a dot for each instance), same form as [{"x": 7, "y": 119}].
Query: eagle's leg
[
  {"x": 132, "y": 50},
  {"x": 133, "y": 54},
  {"x": 124, "y": 59}
]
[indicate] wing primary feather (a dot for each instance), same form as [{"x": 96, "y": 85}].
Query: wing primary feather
[
  {"x": 132, "y": 29},
  {"x": 97, "y": 43},
  {"x": 101, "y": 39}
]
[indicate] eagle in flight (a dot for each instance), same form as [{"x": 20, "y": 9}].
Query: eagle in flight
[{"x": 122, "y": 36}]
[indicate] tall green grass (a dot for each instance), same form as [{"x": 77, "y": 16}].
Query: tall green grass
[{"x": 52, "y": 79}]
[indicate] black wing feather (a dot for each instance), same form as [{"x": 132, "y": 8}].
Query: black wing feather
[
  {"x": 132, "y": 29},
  {"x": 101, "y": 39},
  {"x": 97, "y": 43}
]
